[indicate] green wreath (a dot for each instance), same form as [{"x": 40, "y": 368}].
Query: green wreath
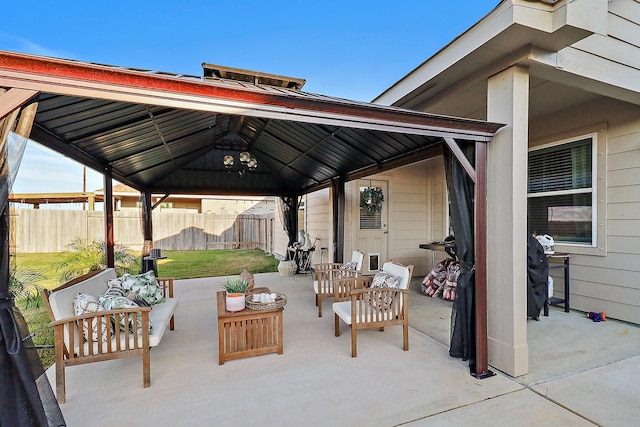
[{"x": 371, "y": 199}]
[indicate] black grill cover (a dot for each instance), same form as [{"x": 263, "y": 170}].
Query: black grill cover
[{"x": 538, "y": 272}]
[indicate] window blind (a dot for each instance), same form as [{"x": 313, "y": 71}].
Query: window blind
[
  {"x": 560, "y": 200},
  {"x": 561, "y": 167}
]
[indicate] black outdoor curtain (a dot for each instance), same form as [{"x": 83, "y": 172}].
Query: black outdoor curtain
[
  {"x": 461, "y": 195},
  {"x": 289, "y": 212},
  {"x": 147, "y": 231},
  {"x": 22, "y": 379},
  {"x": 146, "y": 223}
]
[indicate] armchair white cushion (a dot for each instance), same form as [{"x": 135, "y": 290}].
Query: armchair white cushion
[
  {"x": 325, "y": 274},
  {"x": 354, "y": 299}
]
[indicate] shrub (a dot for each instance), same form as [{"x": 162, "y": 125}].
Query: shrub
[
  {"x": 83, "y": 257},
  {"x": 23, "y": 287}
]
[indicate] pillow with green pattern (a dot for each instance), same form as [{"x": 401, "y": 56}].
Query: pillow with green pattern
[
  {"x": 125, "y": 322},
  {"x": 137, "y": 299},
  {"x": 144, "y": 285},
  {"x": 116, "y": 291}
]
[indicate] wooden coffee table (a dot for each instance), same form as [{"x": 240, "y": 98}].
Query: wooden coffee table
[{"x": 248, "y": 332}]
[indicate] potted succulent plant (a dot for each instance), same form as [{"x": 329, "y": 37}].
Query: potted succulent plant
[{"x": 236, "y": 288}]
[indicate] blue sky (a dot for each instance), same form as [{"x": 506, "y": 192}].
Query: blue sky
[{"x": 350, "y": 49}]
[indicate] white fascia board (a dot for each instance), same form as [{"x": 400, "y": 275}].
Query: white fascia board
[{"x": 590, "y": 16}]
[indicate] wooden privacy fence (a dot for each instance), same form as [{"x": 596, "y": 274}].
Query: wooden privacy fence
[{"x": 44, "y": 230}]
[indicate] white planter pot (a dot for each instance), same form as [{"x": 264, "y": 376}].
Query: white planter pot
[
  {"x": 286, "y": 268},
  {"x": 235, "y": 302}
]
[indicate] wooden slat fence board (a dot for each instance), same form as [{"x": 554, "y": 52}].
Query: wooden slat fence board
[{"x": 49, "y": 230}]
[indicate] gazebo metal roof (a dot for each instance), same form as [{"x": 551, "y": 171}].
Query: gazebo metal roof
[{"x": 168, "y": 133}]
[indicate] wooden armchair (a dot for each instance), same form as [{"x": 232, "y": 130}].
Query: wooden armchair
[
  {"x": 369, "y": 302},
  {"x": 325, "y": 273}
]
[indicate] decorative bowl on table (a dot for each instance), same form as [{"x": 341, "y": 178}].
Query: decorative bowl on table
[{"x": 255, "y": 302}]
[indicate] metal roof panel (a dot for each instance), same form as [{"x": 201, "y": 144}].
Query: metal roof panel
[{"x": 161, "y": 131}]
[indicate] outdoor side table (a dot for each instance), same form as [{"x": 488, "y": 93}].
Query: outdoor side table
[
  {"x": 565, "y": 265},
  {"x": 248, "y": 332}
]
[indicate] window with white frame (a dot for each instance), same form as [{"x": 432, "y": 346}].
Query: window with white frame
[{"x": 561, "y": 191}]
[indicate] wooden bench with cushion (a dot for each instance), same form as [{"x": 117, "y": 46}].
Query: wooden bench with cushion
[{"x": 97, "y": 336}]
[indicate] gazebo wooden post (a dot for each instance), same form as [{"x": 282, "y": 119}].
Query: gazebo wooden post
[
  {"x": 480, "y": 251},
  {"x": 108, "y": 217},
  {"x": 478, "y": 174}
]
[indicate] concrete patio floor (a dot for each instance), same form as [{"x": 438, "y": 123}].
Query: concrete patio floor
[{"x": 581, "y": 373}]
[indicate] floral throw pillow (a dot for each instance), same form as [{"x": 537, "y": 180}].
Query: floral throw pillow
[
  {"x": 383, "y": 279},
  {"x": 352, "y": 265},
  {"x": 85, "y": 304},
  {"x": 125, "y": 322},
  {"x": 144, "y": 285}
]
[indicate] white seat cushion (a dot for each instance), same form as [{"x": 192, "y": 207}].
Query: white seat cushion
[
  {"x": 399, "y": 271},
  {"x": 327, "y": 288},
  {"x": 159, "y": 316},
  {"x": 343, "y": 310},
  {"x": 61, "y": 301}
]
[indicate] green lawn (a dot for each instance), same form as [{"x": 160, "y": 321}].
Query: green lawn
[
  {"x": 37, "y": 319},
  {"x": 42, "y": 263},
  {"x": 178, "y": 264},
  {"x": 214, "y": 263}
]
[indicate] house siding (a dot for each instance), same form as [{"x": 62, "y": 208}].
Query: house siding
[
  {"x": 613, "y": 58},
  {"x": 609, "y": 283},
  {"x": 408, "y": 215},
  {"x": 437, "y": 223},
  {"x": 318, "y": 224},
  {"x": 417, "y": 214},
  {"x": 623, "y": 13}
]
